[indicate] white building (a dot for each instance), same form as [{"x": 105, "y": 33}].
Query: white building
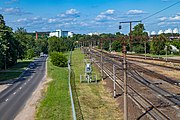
[
  {"x": 60, "y": 33},
  {"x": 96, "y": 33},
  {"x": 70, "y": 34}
]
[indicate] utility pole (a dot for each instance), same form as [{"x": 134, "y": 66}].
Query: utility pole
[
  {"x": 125, "y": 68},
  {"x": 125, "y": 82},
  {"x": 130, "y": 36},
  {"x": 114, "y": 80},
  {"x": 166, "y": 47},
  {"x": 145, "y": 47}
]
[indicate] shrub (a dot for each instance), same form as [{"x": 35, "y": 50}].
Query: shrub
[
  {"x": 58, "y": 59},
  {"x": 116, "y": 46},
  {"x": 30, "y": 54},
  {"x": 138, "y": 49}
]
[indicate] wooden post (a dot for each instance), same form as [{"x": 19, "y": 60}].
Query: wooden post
[
  {"x": 114, "y": 80},
  {"x": 125, "y": 83},
  {"x": 101, "y": 60}
]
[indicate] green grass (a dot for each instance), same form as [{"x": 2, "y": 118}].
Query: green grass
[
  {"x": 21, "y": 65},
  {"x": 14, "y": 71},
  {"x": 56, "y": 102},
  {"x": 96, "y": 102},
  {"x": 9, "y": 75},
  {"x": 152, "y": 55}
]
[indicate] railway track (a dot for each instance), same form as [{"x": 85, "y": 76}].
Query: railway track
[
  {"x": 145, "y": 71},
  {"x": 129, "y": 58},
  {"x": 154, "y": 58},
  {"x": 144, "y": 103}
]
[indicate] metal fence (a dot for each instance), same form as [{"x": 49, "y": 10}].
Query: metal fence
[{"x": 76, "y": 109}]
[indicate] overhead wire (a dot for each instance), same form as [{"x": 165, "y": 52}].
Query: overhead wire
[{"x": 160, "y": 11}]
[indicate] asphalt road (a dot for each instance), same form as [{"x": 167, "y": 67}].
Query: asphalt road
[{"x": 13, "y": 98}]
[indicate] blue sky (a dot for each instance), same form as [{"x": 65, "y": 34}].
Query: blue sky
[{"x": 85, "y": 16}]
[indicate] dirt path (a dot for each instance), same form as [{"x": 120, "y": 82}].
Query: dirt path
[{"x": 3, "y": 87}]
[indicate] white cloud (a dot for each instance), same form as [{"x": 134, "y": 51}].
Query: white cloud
[
  {"x": 163, "y": 18},
  {"x": 153, "y": 33},
  {"x": 169, "y": 30},
  {"x": 175, "y": 30},
  {"x": 108, "y": 12},
  {"x": 22, "y": 20},
  {"x": 105, "y": 16},
  {"x": 11, "y": 1},
  {"x": 161, "y": 23},
  {"x": 177, "y": 17},
  {"x": 13, "y": 11},
  {"x": 136, "y": 12},
  {"x": 169, "y": 20},
  {"x": 31, "y": 21},
  {"x": 71, "y": 13},
  {"x": 52, "y": 20},
  {"x": 160, "y": 32}
]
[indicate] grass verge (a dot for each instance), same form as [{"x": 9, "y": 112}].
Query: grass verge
[
  {"x": 8, "y": 75},
  {"x": 56, "y": 102},
  {"x": 14, "y": 71},
  {"x": 96, "y": 102}
]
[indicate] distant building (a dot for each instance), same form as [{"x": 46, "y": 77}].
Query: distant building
[
  {"x": 96, "y": 33},
  {"x": 70, "y": 34},
  {"x": 60, "y": 33}
]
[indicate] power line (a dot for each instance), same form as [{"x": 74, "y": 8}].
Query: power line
[{"x": 161, "y": 10}]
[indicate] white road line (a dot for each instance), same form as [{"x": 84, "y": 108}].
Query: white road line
[
  {"x": 25, "y": 83},
  {"x": 14, "y": 93},
  {"x": 7, "y": 100},
  {"x": 20, "y": 88},
  {"x": 29, "y": 80}
]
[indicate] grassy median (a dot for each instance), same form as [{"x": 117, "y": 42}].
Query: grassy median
[
  {"x": 14, "y": 71},
  {"x": 55, "y": 104},
  {"x": 96, "y": 102}
]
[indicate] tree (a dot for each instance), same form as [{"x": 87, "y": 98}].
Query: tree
[
  {"x": 158, "y": 45},
  {"x": 8, "y": 45},
  {"x": 60, "y": 44},
  {"x": 140, "y": 38},
  {"x": 41, "y": 46},
  {"x": 117, "y": 46},
  {"x": 26, "y": 42}
]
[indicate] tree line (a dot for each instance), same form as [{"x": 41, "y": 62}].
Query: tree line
[
  {"x": 18, "y": 45},
  {"x": 138, "y": 43}
]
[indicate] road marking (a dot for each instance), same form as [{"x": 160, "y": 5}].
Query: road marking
[
  {"x": 20, "y": 88},
  {"x": 29, "y": 80},
  {"x": 25, "y": 83},
  {"x": 7, "y": 100},
  {"x": 14, "y": 93}
]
